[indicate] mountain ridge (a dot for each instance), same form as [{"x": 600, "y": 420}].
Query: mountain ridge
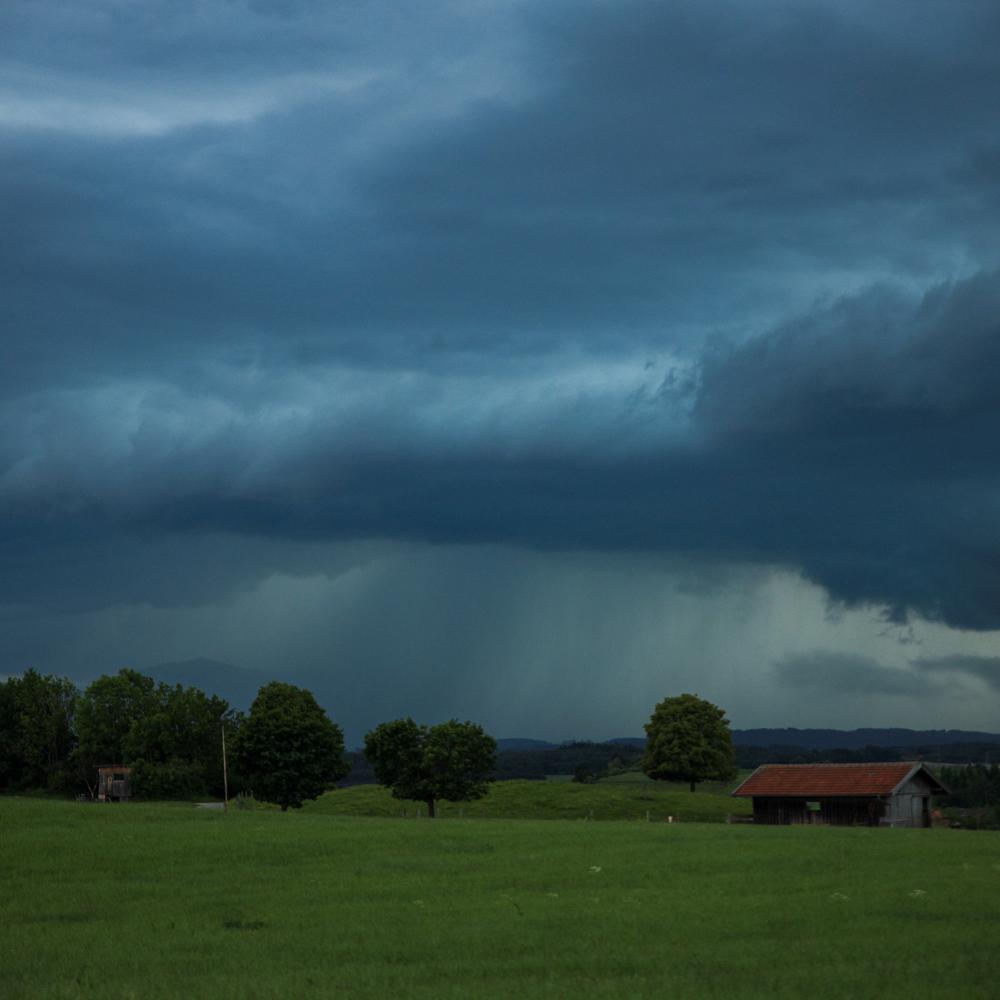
[{"x": 807, "y": 739}]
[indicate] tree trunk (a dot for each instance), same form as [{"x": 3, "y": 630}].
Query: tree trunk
[
  {"x": 430, "y": 809},
  {"x": 691, "y": 783}
]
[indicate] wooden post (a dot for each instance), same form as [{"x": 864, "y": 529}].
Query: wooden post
[{"x": 225, "y": 772}]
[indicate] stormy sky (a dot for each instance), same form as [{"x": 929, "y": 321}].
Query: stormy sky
[{"x": 518, "y": 361}]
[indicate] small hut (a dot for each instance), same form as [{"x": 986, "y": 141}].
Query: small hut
[
  {"x": 114, "y": 783},
  {"x": 890, "y": 794}
]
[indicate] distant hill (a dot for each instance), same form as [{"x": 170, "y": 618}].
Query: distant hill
[
  {"x": 535, "y": 759},
  {"x": 856, "y": 739},
  {"x": 521, "y": 744},
  {"x": 807, "y": 739}
]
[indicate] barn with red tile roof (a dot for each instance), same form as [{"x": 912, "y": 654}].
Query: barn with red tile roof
[{"x": 891, "y": 794}]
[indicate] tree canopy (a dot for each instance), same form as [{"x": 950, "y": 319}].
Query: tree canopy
[
  {"x": 36, "y": 731},
  {"x": 287, "y": 749},
  {"x": 169, "y": 735},
  {"x": 111, "y": 716},
  {"x": 451, "y": 761},
  {"x": 688, "y": 739}
]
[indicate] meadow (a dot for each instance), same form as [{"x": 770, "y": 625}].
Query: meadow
[
  {"x": 170, "y": 901},
  {"x": 631, "y": 798}
]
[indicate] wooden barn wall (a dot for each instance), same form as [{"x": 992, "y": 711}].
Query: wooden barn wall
[
  {"x": 779, "y": 811},
  {"x": 112, "y": 788},
  {"x": 911, "y": 805},
  {"x": 860, "y": 811}
]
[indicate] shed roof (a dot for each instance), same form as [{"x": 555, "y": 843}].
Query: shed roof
[{"x": 823, "y": 780}]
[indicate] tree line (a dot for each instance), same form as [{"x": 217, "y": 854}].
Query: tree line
[
  {"x": 285, "y": 750},
  {"x": 975, "y": 791},
  {"x": 54, "y": 736}
]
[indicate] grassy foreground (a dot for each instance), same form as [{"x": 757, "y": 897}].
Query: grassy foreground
[
  {"x": 551, "y": 800},
  {"x": 168, "y": 901}
]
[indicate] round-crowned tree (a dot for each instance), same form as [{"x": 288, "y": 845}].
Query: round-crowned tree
[
  {"x": 287, "y": 749},
  {"x": 688, "y": 739},
  {"x": 451, "y": 761}
]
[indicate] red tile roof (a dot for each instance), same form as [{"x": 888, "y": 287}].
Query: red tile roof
[{"x": 821, "y": 780}]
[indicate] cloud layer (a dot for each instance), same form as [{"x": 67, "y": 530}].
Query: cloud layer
[
  {"x": 855, "y": 444},
  {"x": 684, "y": 280}
]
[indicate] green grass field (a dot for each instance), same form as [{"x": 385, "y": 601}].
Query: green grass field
[
  {"x": 606, "y": 800},
  {"x": 170, "y": 901}
]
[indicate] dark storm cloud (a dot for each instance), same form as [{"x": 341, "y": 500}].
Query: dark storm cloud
[
  {"x": 832, "y": 673},
  {"x": 985, "y": 668},
  {"x": 282, "y": 275},
  {"x": 637, "y": 169},
  {"x": 869, "y": 434},
  {"x": 857, "y": 445}
]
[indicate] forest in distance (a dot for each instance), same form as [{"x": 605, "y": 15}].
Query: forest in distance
[{"x": 52, "y": 734}]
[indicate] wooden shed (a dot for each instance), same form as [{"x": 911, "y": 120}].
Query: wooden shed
[
  {"x": 114, "y": 783},
  {"x": 891, "y": 794}
]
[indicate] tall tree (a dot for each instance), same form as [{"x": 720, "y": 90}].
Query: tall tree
[
  {"x": 451, "y": 761},
  {"x": 177, "y": 749},
  {"x": 170, "y": 736},
  {"x": 287, "y": 749},
  {"x": 111, "y": 716},
  {"x": 36, "y": 730},
  {"x": 688, "y": 739},
  {"x": 10, "y": 769}
]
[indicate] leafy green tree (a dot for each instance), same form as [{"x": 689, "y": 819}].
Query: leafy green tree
[
  {"x": 170, "y": 736},
  {"x": 452, "y": 761},
  {"x": 972, "y": 785},
  {"x": 182, "y": 738},
  {"x": 688, "y": 739},
  {"x": 9, "y": 761},
  {"x": 36, "y": 731},
  {"x": 111, "y": 716},
  {"x": 173, "y": 779},
  {"x": 287, "y": 749}
]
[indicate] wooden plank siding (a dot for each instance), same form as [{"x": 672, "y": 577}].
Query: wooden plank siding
[
  {"x": 114, "y": 783},
  {"x": 859, "y": 811}
]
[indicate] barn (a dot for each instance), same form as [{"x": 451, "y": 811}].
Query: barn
[
  {"x": 890, "y": 794},
  {"x": 114, "y": 783}
]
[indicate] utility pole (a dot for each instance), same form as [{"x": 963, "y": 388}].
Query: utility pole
[{"x": 225, "y": 772}]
